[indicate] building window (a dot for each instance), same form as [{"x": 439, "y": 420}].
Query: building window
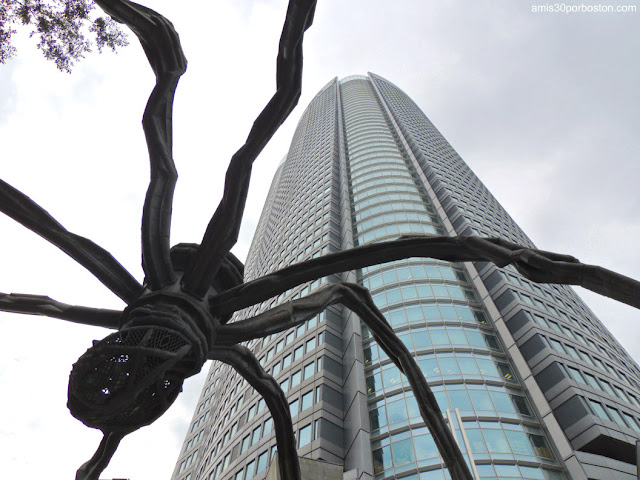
[
  {"x": 540, "y": 446},
  {"x": 307, "y": 400},
  {"x": 598, "y": 410},
  {"x": 521, "y": 405},
  {"x": 295, "y": 378},
  {"x": 309, "y": 370},
  {"x": 262, "y": 462},
  {"x": 248, "y": 473},
  {"x": 304, "y": 436}
]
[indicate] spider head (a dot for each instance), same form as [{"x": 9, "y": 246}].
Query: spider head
[{"x": 130, "y": 378}]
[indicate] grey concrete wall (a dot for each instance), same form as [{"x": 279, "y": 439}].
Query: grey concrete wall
[{"x": 311, "y": 470}]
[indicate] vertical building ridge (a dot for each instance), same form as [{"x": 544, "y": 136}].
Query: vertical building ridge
[{"x": 531, "y": 382}]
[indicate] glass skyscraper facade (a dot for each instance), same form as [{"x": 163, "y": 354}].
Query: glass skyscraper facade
[{"x": 530, "y": 381}]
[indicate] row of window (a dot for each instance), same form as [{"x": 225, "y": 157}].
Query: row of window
[
  {"x": 396, "y": 217},
  {"x": 602, "y": 385},
  {"x": 424, "y": 291},
  {"x": 401, "y": 409},
  {"x": 373, "y": 157},
  {"x": 304, "y": 436},
  {"x": 491, "y": 472},
  {"x": 272, "y": 232},
  {"x": 564, "y": 295},
  {"x": 583, "y": 356},
  {"x": 366, "y": 130},
  {"x": 188, "y": 461},
  {"x": 301, "y": 291},
  {"x": 231, "y": 397},
  {"x": 253, "y": 468},
  {"x": 488, "y": 440},
  {"x": 561, "y": 329},
  {"x": 377, "y": 165},
  {"x": 307, "y": 234},
  {"x": 421, "y": 338},
  {"x": 395, "y": 231},
  {"x": 587, "y": 342},
  {"x": 296, "y": 355},
  {"x": 516, "y": 472},
  {"x": 301, "y": 404},
  {"x": 385, "y": 178},
  {"x": 384, "y": 195},
  {"x": 495, "y": 438},
  {"x": 609, "y": 413},
  {"x": 200, "y": 421},
  {"x": 305, "y": 254},
  {"x": 390, "y": 170},
  {"x": 299, "y": 375},
  {"x": 426, "y": 313},
  {"x": 206, "y": 403},
  {"x": 293, "y": 334},
  {"x": 364, "y": 142},
  {"x": 398, "y": 273},
  {"x": 355, "y": 189},
  {"x": 401, "y": 207},
  {"x": 440, "y": 366},
  {"x": 296, "y": 377},
  {"x": 194, "y": 441},
  {"x": 361, "y": 125},
  {"x": 261, "y": 431},
  {"x": 375, "y": 149},
  {"x": 592, "y": 325},
  {"x": 508, "y": 296}
]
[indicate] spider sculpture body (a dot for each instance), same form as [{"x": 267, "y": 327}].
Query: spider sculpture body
[{"x": 179, "y": 317}]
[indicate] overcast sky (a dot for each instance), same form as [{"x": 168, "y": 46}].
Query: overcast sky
[{"x": 544, "y": 107}]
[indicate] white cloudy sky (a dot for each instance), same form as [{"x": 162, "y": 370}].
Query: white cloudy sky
[{"x": 544, "y": 107}]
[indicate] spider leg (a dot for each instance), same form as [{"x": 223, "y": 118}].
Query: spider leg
[
  {"x": 42, "y": 305},
  {"x": 246, "y": 364},
  {"x": 92, "y": 469},
  {"x": 222, "y": 232},
  {"x": 94, "y": 258},
  {"x": 538, "y": 265},
  {"x": 162, "y": 47},
  {"x": 548, "y": 267},
  {"x": 358, "y": 299}
]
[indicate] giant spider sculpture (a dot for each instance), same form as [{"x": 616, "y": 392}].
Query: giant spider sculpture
[{"x": 178, "y": 318}]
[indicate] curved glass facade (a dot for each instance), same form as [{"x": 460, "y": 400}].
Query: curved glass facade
[
  {"x": 532, "y": 384},
  {"x": 436, "y": 313}
]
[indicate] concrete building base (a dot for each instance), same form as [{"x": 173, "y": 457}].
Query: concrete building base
[{"x": 311, "y": 470}]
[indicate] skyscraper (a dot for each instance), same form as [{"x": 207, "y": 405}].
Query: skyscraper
[{"x": 532, "y": 383}]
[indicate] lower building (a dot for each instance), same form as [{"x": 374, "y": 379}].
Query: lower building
[{"x": 530, "y": 381}]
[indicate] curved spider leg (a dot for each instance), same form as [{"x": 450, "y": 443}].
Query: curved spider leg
[
  {"x": 94, "y": 258},
  {"x": 42, "y": 305},
  {"x": 247, "y": 365},
  {"x": 92, "y": 469},
  {"x": 547, "y": 267},
  {"x": 538, "y": 265},
  {"x": 162, "y": 47},
  {"x": 222, "y": 232},
  {"x": 358, "y": 299}
]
